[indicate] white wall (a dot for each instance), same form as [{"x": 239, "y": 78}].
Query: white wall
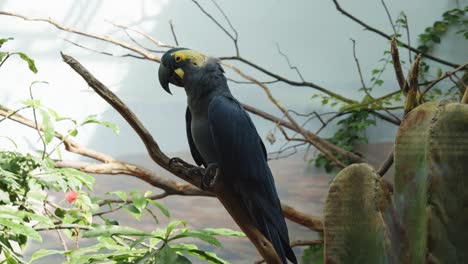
[{"x": 313, "y": 34}]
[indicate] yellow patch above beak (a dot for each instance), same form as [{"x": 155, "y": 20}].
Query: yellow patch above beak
[{"x": 179, "y": 72}]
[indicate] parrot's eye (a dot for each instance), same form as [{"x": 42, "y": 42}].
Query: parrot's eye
[{"x": 178, "y": 58}]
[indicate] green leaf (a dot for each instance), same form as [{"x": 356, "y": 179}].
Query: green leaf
[
  {"x": 93, "y": 120},
  {"x": 161, "y": 207},
  {"x": 83, "y": 177},
  {"x": 200, "y": 234},
  {"x": 379, "y": 82},
  {"x": 133, "y": 211},
  {"x": 122, "y": 195},
  {"x": 313, "y": 254},
  {"x": 31, "y": 64},
  {"x": 32, "y": 102},
  {"x": 21, "y": 229},
  {"x": 223, "y": 232},
  {"x": 140, "y": 203},
  {"x": 3, "y": 40},
  {"x": 73, "y": 132},
  {"x": 44, "y": 253},
  {"x": 3, "y": 55},
  {"x": 169, "y": 256},
  {"x": 107, "y": 231},
  {"x": 48, "y": 126},
  {"x": 173, "y": 224}
]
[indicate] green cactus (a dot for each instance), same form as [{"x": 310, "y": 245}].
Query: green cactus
[
  {"x": 431, "y": 183},
  {"x": 354, "y": 230},
  {"x": 426, "y": 218}
]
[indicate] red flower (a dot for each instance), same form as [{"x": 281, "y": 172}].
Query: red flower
[{"x": 71, "y": 196}]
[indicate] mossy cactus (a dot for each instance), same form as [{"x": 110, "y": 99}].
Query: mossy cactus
[
  {"x": 354, "y": 230},
  {"x": 431, "y": 183}
]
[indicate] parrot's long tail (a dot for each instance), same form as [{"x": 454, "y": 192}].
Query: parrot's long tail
[{"x": 282, "y": 247}]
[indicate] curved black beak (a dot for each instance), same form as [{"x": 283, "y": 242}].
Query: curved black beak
[{"x": 165, "y": 76}]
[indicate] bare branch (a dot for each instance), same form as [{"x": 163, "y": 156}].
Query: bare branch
[
  {"x": 292, "y": 67},
  {"x": 397, "y": 66},
  {"x": 285, "y": 80},
  {"x": 146, "y": 36},
  {"x": 386, "y": 164},
  {"x": 104, "y": 52},
  {"x": 349, "y": 155},
  {"x": 98, "y": 37},
  {"x": 372, "y": 29},
  {"x": 445, "y": 75},
  {"x": 233, "y": 38},
  {"x": 389, "y": 17},
  {"x": 173, "y": 32}
]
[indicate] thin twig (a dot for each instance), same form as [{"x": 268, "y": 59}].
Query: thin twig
[
  {"x": 408, "y": 37},
  {"x": 233, "y": 38},
  {"x": 389, "y": 17},
  {"x": 104, "y": 52},
  {"x": 445, "y": 75},
  {"x": 44, "y": 144},
  {"x": 288, "y": 81},
  {"x": 292, "y": 67},
  {"x": 372, "y": 29},
  {"x": 173, "y": 32}
]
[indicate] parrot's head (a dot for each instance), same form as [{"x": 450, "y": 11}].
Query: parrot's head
[{"x": 178, "y": 64}]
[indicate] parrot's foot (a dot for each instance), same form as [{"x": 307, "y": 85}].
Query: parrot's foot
[
  {"x": 180, "y": 162},
  {"x": 208, "y": 175}
]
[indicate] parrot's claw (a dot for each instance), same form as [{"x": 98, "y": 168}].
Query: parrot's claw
[
  {"x": 180, "y": 162},
  {"x": 210, "y": 176}
]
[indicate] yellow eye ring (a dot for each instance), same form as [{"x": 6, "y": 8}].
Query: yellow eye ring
[{"x": 178, "y": 58}]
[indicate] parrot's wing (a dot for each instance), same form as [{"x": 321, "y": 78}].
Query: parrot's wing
[
  {"x": 245, "y": 169},
  {"x": 197, "y": 157}
]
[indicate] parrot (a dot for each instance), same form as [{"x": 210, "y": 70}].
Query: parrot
[{"x": 222, "y": 136}]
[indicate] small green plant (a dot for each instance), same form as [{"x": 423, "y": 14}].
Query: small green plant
[{"x": 350, "y": 132}]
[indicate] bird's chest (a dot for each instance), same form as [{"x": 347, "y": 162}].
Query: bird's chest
[{"x": 203, "y": 139}]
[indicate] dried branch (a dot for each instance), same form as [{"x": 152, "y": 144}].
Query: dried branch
[
  {"x": 288, "y": 81},
  {"x": 292, "y": 67},
  {"x": 233, "y": 38},
  {"x": 311, "y": 138},
  {"x": 389, "y": 17},
  {"x": 104, "y": 52},
  {"x": 445, "y": 75},
  {"x": 73, "y": 30},
  {"x": 397, "y": 66},
  {"x": 173, "y": 32},
  {"x": 349, "y": 155},
  {"x": 378, "y": 32},
  {"x": 386, "y": 164}
]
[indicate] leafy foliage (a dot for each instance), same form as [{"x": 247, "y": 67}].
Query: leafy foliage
[
  {"x": 352, "y": 128},
  {"x": 5, "y": 55},
  {"x": 313, "y": 254},
  {"x": 350, "y": 132}
]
